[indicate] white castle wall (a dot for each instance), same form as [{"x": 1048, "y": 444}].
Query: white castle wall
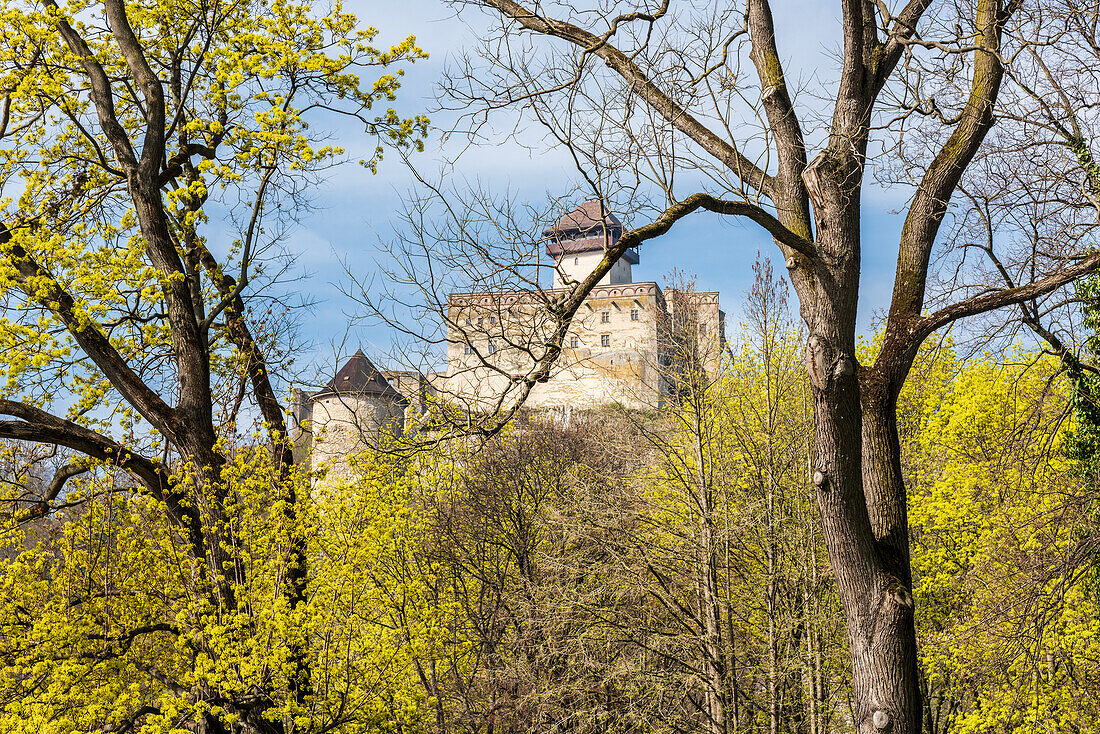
[
  {"x": 337, "y": 425},
  {"x": 616, "y": 350},
  {"x": 574, "y": 267}
]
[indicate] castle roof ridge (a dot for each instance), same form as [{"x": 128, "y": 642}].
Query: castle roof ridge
[
  {"x": 641, "y": 288},
  {"x": 590, "y": 227},
  {"x": 585, "y": 217}
]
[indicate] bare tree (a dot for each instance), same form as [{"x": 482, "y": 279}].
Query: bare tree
[{"x": 671, "y": 109}]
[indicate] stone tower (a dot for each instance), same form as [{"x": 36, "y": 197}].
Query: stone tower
[
  {"x": 578, "y": 241},
  {"x": 342, "y": 418}
]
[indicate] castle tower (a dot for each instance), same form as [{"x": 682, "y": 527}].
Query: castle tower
[
  {"x": 339, "y": 419},
  {"x": 578, "y": 241}
]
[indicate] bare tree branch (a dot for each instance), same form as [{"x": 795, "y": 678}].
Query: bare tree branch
[
  {"x": 1006, "y": 297},
  {"x": 640, "y": 84}
]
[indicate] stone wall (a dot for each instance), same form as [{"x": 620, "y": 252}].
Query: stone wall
[
  {"x": 698, "y": 325},
  {"x": 337, "y": 425},
  {"x": 616, "y": 351},
  {"x": 414, "y": 386}
]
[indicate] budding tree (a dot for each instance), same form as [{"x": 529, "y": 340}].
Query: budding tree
[{"x": 151, "y": 157}]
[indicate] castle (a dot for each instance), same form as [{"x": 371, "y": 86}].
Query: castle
[
  {"x": 625, "y": 345},
  {"x": 622, "y": 346},
  {"x": 358, "y": 401}
]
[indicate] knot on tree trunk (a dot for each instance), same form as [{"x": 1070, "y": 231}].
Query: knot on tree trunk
[
  {"x": 826, "y": 364},
  {"x": 845, "y": 366},
  {"x": 893, "y": 601},
  {"x": 897, "y": 592},
  {"x": 891, "y": 612},
  {"x": 891, "y": 607}
]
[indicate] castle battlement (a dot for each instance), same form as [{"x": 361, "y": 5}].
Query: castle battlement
[{"x": 620, "y": 347}]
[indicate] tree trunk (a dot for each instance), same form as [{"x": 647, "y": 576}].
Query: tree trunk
[
  {"x": 772, "y": 587},
  {"x": 708, "y": 595},
  {"x": 809, "y": 677},
  {"x": 858, "y": 481},
  {"x": 884, "y": 490},
  {"x": 854, "y": 459},
  {"x": 770, "y": 593}
]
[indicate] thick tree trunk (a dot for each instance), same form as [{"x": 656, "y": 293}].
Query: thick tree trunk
[
  {"x": 857, "y": 475},
  {"x": 884, "y": 490},
  {"x": 855, "y": 468}
]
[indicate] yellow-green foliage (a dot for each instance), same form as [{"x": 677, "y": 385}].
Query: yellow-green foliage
[
  {"x": 375, "y": 614},
  {"x": 245, "y": 82},
  {"x": 1009, "y": 630},
  {"x": 107, "y": 616}
]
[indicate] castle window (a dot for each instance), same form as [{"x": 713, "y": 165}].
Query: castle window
[
  {"x": 605, "y": 340},
  {"x": 576, "y": 261},
  {"x": 633, "y": 314},
  {"x": 702, "y": 329},
  {"x": 605, "y": 317},
  {"x": 479, "y": 322},
  {"x": 492, "y": 319},
  {"x": 467, "y": 349},
  {"x": 469, "y": 321},
  {"x": 492, "y": 347},
  {"x": 574, "y": 341}
]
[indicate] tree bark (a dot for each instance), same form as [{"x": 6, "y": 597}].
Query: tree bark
[{"x": 872, "y": 577}]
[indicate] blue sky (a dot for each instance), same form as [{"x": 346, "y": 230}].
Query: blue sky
[{"x": 357, "y": 213}]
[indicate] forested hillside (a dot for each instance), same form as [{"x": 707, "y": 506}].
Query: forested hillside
[
  {"x": 876, "y": 512},
  {"x": 626, "y": 572}
]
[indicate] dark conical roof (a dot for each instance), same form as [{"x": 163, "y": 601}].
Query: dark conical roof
[
  {"x": 584, "y": 218},
  {"x": 359, "y": 376}
]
